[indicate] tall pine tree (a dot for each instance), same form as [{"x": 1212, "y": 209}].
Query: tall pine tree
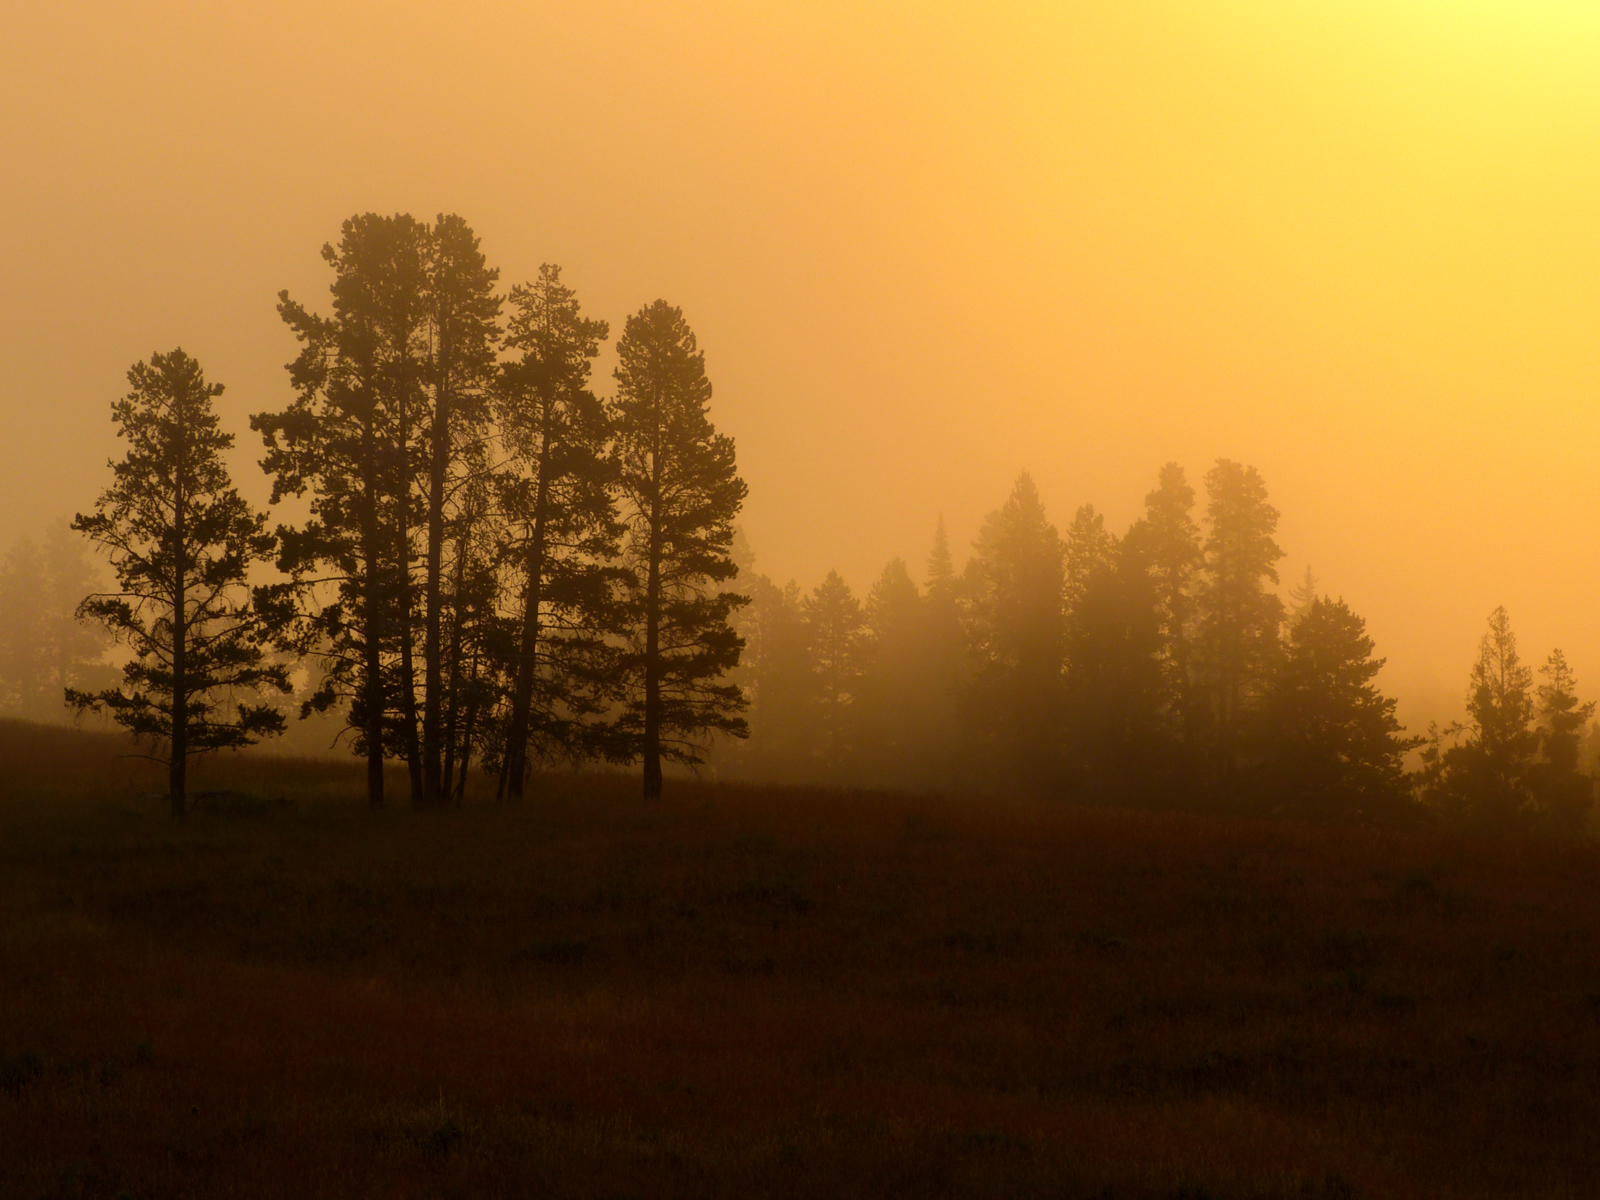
[
  {"x": 182, "y": 542},
  {"x": 561, "y": 530},
  {"x": 680, "y": 494},
  {"x": 345, "y": 442}
]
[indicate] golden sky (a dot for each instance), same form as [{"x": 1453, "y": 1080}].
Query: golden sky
[{"x": 925, "y": 246}]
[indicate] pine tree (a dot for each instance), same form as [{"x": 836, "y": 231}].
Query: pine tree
[
  {"x": 774, "y": 675},
  {"x": 1168, "y": 539},
  {"x": 1114, "y": 681},
  {"x": 1013, "y": 701},
  {"x": 1239, "y": 618},
  {"x": 680, "y": 493},
  {"x": 561, "y": 530},
  {"x": 461, "y": 311},
  {"x": 899, "y": 699},
  {"x": 1563, "y": 793},
  {"x": 1301, "y": 597},
  {"x": 836, "y": 635},
  {"x": 1335, "y": 749},
  {"x": 346, "y": 441},
  {"x": 182, "y": 542},
  {"x": 1487, "y": 779}
]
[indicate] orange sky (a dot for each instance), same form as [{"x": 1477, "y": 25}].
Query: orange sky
[{"x": 924, "y": 245}]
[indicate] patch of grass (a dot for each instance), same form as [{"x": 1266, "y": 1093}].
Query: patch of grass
[{"x": 746, "y": 991}]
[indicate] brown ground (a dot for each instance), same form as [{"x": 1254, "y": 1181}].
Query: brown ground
[{"x": 743, "y": 991}]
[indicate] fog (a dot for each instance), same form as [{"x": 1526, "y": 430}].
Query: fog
[{"x": 925, "y": 247}]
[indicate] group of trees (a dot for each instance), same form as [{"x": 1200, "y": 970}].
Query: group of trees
[
  {"x": 43, "y": 649},
  {"x": 1516, "y": 762},
  {"x": 496, "y": 565},
  {"x": 1157, "y": 667}
]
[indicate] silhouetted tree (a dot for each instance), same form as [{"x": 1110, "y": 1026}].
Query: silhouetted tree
[
  {"x": 1564, "y": 795},
  {"x": 1239, "y": 618},
  {"x": 182, "y": 541},
  {"x": 836, "y": 634},
  {"x": 903, "y": 698},
  {"x": 1486, "y": 780},
  {"x": 1013, "y": 701},
  {"x": 1114, "y": 680},
  {"x": 461, "y": 311},
  {"x": 1334, "y": 747},
  {"x": 346, "y": 441},
  {"x": 1168, "y": 540},
  {"x": 774, "y": 674},
  {"x": 561, "y": 530},
  {"x": 1301, "y": 597},
  {"x": 680, "y": 493}
]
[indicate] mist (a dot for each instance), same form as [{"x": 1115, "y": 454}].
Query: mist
[{"x": 925, "y": 249}]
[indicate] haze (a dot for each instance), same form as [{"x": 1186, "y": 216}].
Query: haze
[{"x": 925, "y": 247}]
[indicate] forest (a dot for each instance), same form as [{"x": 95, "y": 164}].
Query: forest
[{"x": 497, "y": 565}]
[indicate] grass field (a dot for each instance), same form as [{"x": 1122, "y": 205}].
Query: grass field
[{"x": 743, "y": 991}]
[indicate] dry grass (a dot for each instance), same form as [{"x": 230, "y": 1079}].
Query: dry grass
[{"x": 743, "y": 991}]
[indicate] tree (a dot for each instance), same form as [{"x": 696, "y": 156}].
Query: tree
[
  {"x": 680, "y": 493},
  {"x": 1168, "y": 540},
  {"x": 182, "y": 542},
  {"x": 836, "y": 634},
  {"x": 1562, "y": 793},
  {"x": 1486, "y": 780},
  {"x": 1335, "y": 749},
  {"x": 1114, "y": 677},
  {"x": 461, "y": 312},
  {"x": 44, "y": 647},
  {"x": 561, "y": 528},
  {"x": 1239, "y": 618},
  {"x": 902, "y": 697},
  {"x": 345, "y": 440},
  {"x": 1013, "y": 702},
  {"x": 1301, "y": 597},
  {"x": 774, "y": 674}
]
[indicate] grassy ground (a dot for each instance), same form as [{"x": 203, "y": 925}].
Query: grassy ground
[{"x": 742, "y": 991}]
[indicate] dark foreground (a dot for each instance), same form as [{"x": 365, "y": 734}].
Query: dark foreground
[{"x": 750, "y": 992}]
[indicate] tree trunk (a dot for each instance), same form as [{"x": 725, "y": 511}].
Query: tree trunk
[
  {"x": 178, "y": 760},
  {"x": 527, "y": 656},
  {"x": 458, "y": 614},
  {"x": 652, "y": 675},
  {"x": 433, "y": 697},
  {"x": 372, "y": 587}
]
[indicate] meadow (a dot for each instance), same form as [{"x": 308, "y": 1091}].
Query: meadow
[{"x": 751, "y": 991}]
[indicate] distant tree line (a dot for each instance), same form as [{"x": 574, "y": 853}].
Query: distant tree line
[
  {"x": 1155, "y": 668},
  {"x": 497, "y": 567}
]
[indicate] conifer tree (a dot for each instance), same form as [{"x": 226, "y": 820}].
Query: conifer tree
[
  {"x": 561, "y": 530},
  {"x": 836, "y": 633},
  {"x": 1487, "y": 779},
  {"x": 1335, "y": 749},
  {"x": 346, "y": 441},
  {"x": 898, "y": 704},
  {"x": 1114, "y": 679},
  {"x": 182, "y": 541},
  {"x": 680, "y": 494},
  {"x": 774, "y": 674},
  {"x": 461, "y": 313},
  {"x": 1168, "y": 540},
  {"x": 1239, "y": 618},
  {"x": 1564, "y": 794},
  {"x": 1301, "y": 597},
  {"x": 1013, "y": 701}
]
